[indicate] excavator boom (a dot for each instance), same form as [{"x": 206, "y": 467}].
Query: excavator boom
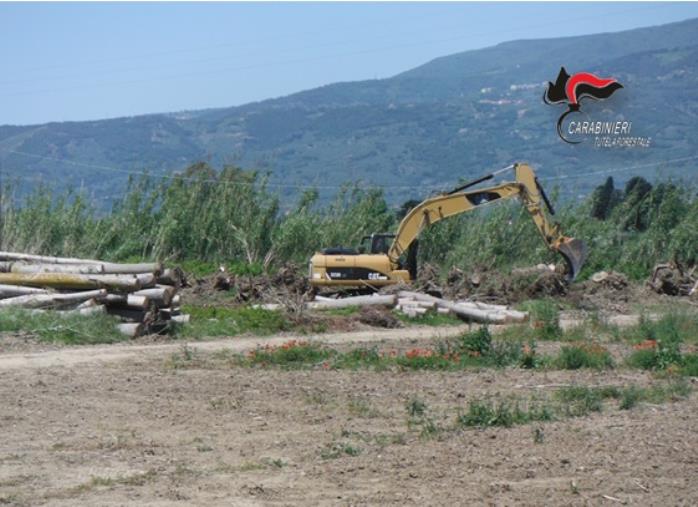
[{"x": 526, "y": 188}]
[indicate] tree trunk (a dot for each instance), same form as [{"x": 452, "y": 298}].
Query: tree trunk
[
  {"x": 128, "y": 300},
  {"x": 470, "y": 311},
  {"x": 44, "y": 300},
  {"x": 131, "y": 329},
  {"x": 132, "y": 269},
  {"x": 8, "y": 291},
  {"x": 388, "y": 300},
  {"x": 75, "y": 281},
  {"x": 14, "y": 256},
  {"x": 21, "y": 267},
  {"x": 161, "y": 295}
]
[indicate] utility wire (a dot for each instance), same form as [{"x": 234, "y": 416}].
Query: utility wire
[{"x": 309, "y": 187}]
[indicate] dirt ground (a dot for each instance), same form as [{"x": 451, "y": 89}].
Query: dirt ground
[{"x": 118, "y": 425}]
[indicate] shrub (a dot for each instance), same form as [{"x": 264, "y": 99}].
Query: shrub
[
  {"x": 545, "y": 319},
  {"x": 484, "y": 414},
  {"x": 476, "y": 343},
  {"x": 584, "y": 356}
]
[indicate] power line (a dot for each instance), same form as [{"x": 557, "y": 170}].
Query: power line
[
  {"x": 325, "y": 187},
  {"x": 619, "y": 169}
]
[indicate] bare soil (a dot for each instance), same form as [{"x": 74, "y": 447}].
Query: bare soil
[{"x": 118, "y": 425}]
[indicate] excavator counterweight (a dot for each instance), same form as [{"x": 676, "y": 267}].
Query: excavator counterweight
[{"x": 386, "y": 265}]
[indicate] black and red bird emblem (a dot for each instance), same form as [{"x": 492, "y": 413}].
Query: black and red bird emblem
[{"x": 571, "y": 90}]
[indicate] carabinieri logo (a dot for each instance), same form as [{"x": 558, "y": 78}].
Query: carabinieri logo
[{"x": 571, "y": 90}]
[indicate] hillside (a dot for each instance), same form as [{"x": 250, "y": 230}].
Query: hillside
[{"x": 454, "y": 117}]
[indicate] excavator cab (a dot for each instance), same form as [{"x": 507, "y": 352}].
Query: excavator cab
[{"x": 376, "y": 243}]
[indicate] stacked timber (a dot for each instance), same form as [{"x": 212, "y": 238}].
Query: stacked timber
[{"x": 142, "y": 296}]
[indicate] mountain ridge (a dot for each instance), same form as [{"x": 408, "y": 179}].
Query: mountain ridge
[{"x": 433, "y": 124}]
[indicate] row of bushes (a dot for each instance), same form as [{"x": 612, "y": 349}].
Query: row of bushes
[{"x": 232, "y": 216}]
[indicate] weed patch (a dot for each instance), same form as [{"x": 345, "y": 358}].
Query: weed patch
[
  {"x": 483, "y": 414},
  {"x": 209, "y": 321},
  {"x": 68, "y": 329},
  {"x": 584, "y": 356}
]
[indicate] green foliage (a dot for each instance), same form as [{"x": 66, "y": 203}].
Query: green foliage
[
  {"x": 584, "y": 356},
  {"x": 604, "y": 199},
  {"x": 690, "y": 365},
  {"x": 430, "y": 318},
  {"x": 476, "y": 342},
  {"x": 668, "y": 333},
  {"x": 340, "y": 449},
  {"x": 484, "y": 414},
  {"x": 545, "y": 319},
  {"x": 208, "y": 321},
  {"x": 53, "y": 327},
  {"x": 289, "y": 355},
  {"x": 206, "y": 218},
  {"x": 578, "y": 401}
]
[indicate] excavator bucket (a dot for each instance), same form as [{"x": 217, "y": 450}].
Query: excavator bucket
[{"x": 575, "y": 253}]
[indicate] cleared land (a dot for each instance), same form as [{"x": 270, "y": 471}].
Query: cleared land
[{"x": 163, "y": 424}]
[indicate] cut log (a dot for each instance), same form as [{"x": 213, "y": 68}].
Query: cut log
[
  {"x": 131, "y": 329},
  {"x": 171, "y": 277},
  {"x": 132, "y": 314},
  {"x": 14, "y": 256},
  {"x": 176, "y": 300},
  {"x": 161, "y": 295},
  {"x": 469, "y": 312},
  {"x": 9, "y": 291},
  {"x": 412, "y": 311},
  {"x": 429, "y": 305},
  {"x": 181, "y": 319},
  {"x": 79, "y": 269},
  {"x": 443, "y": 311},
  {"x": 73, "y": 281},
  {"x": 128, "y": 300},
  {"x": 44, "y": 300},
  {"x": 154, "y": 268},
  {"x": 168, "y": 313},
  {"x": 387, "y": 300},
  {"x": 268, "y": 306},
  {"x": 92, "y": 310},
  {"x": 87, "y": 304}
]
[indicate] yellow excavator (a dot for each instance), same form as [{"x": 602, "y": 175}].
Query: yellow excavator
[{"x": 385, "y": 259}]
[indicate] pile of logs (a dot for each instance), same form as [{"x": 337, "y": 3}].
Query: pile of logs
[
  {"x": 142, "y": 296},
  {"x": 414, "y": 304}
]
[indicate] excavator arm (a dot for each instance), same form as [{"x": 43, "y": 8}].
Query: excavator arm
[{"x": 526, "y": 188}]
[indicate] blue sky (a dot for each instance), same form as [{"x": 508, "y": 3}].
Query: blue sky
[{"x": 79, "y": 61}]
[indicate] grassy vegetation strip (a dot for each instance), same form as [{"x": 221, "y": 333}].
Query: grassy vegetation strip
[
  {"x": 57, "y": 328},
  {"x": 564, "y": 403},
  {"x": 212, "y": 217},
  {"x": 207, "y": 321}
]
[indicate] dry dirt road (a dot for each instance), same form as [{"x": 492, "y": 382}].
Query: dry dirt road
[{"x": 118, "y": 425}]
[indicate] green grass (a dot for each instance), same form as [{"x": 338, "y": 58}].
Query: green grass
[
  {"x": 584, "y": 356},
  {"x": 483, "y": 414},
  {"x": 545, "y": 319},
  {"x": 347, "y": 311},
  {"x": 340, "y": 449},
  {"x": 430, "y": 318},
  {"x": 661, "y": 343},
  {"x": 289, "y": 355},
  {"x": 208, "y": 321},
  {"x": 53, "y": 327},
  {"x": 578, "y": 401}
]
